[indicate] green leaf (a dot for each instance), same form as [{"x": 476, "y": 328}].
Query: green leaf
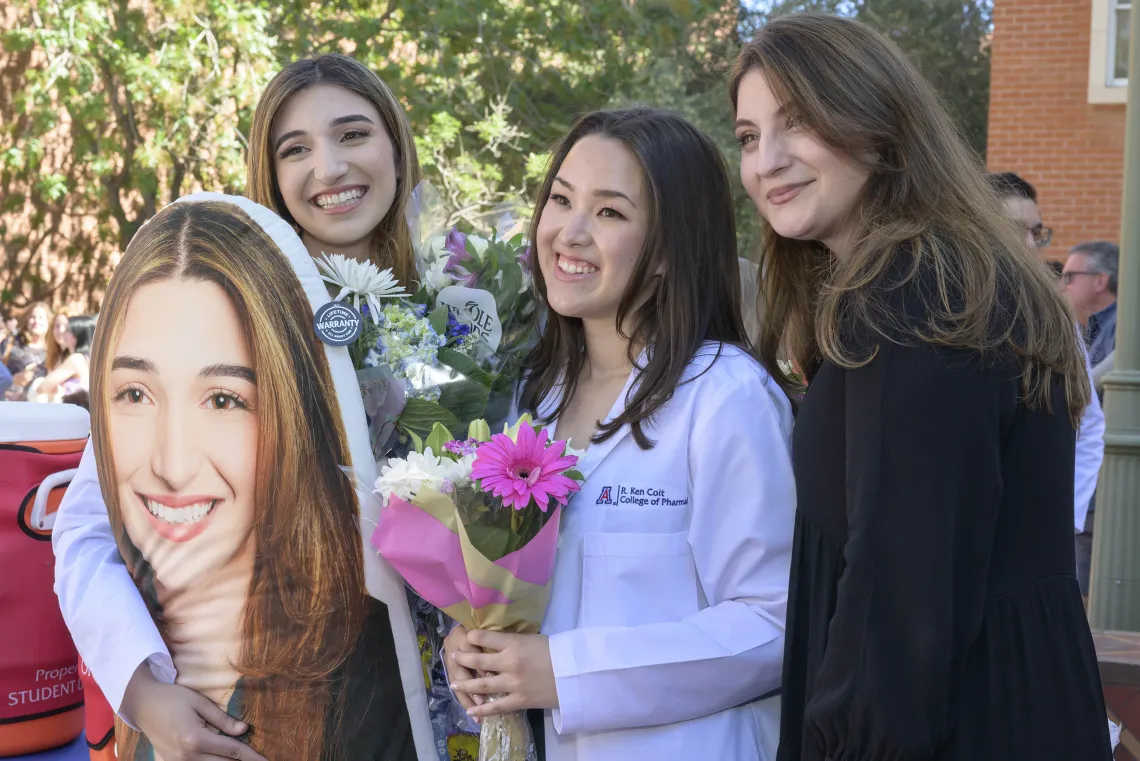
[
  {"x": 439, "y": 436},
  {"x": 419, "y": 416},
  {"x": 492, "y": 541},
  {"x": 438, "y": 320},
  {"x": 467, "y": 400},
  {"x": 417, "y": 442},
  {"x": 464, "y": 365}
]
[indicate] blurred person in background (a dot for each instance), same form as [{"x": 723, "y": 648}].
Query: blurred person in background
[
  {"x": 1020, "y": 201},
  {"x": 1089, "y": 280},
  {"x": 5, "y": 381},
  {"x": 58, "y": 340},
  {"x": 25, "y": 352},
  {"x": 70, "y": 374}
]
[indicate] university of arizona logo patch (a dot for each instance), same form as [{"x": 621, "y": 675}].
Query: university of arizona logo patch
[{"x": 604, "y": 498}]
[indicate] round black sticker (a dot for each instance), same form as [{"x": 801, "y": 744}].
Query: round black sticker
[{"x": 338, "y": 323}]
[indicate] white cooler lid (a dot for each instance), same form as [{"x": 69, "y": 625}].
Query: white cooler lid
[{"x": 32, "y": 421}]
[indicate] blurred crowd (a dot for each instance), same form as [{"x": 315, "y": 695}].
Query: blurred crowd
[{"x": 44, "y": 356}]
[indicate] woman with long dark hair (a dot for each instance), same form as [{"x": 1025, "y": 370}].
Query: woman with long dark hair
[
  {"x": 665, "y": 625},
  {"x": 934, "y": 613}
]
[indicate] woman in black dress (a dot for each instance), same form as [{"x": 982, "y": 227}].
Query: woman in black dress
[{"x": 934, "y": 612}]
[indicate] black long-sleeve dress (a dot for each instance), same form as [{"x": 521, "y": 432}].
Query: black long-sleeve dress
[{"x": 934, "y": 612}]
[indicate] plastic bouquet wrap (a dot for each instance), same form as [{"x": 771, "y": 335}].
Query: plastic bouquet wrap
[
  {"x": 450, "y": 351},
  {"x": 474, "y": 531},
  {"x": 444, "y": 351}
]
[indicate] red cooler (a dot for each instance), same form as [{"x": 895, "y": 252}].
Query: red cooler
[{"x": 41, "y": 691}]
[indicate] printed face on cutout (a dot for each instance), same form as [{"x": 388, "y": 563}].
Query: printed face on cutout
[
  {"x": 802, "y": 187},
  {"x": 183, "y": 429},
  {"x": 335, "y": 165},
  {"x": 592, "y": 229}
]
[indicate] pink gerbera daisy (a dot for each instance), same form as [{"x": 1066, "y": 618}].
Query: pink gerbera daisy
[{"x": 518, "y": 470}]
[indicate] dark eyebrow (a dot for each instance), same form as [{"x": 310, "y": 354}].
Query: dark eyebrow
[
  {"x": 332, "y": 123},
  {"x": 134, "y": 363},
  {"x": 743, "y": 123},
  {"x": 600, "y": 193},
  {"x": 614, "y": 194},
  {"x": 287, "y": 136},
  {"x": 349, "y": 119},
  {"x": 229, "y": 371}
]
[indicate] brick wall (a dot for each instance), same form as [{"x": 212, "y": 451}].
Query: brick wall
[{"x": 1042, "y": 126}]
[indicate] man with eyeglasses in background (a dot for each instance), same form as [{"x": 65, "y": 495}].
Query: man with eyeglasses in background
[
  {"x": 1020, "y": 201},
  {"x": 1089, "y": 280}
]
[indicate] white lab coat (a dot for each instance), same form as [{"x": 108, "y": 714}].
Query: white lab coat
[
  {"x": 666, "y": 620},
  {"x": 1090, "y": 455}
]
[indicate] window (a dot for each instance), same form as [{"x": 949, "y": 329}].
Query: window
[
  {"x": 1118, "y": 43},
  {"x": 1108, "y": 51}
]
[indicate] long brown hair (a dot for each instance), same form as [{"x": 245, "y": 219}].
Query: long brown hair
[
  {"x": 306, "y": 600},
  {"x": 391, "y": 241},
  {"x": 691, "y": 235},
  {"x": 55, "y": 352},
  {"x": 926, "y": 198}
]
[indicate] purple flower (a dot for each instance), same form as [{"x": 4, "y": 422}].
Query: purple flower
[
  {"x": 524, "y": 258},
  {"x": 455, "y": 328},
  {"x": 456, "y": 245},
  {"x": 461, "y": 448}
]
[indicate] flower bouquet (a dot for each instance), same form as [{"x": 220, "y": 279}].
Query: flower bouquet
[
  {"x": 450, "y": 352},
  {"x": 474, "y": 530}
]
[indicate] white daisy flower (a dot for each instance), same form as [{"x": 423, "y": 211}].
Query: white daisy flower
[{"x": 364, "y": 280}]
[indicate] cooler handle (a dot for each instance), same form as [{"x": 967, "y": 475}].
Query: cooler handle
[{"x": 39, "y": 518}]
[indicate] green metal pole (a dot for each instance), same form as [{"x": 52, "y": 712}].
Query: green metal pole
[{"x": 1114, "y": 603}]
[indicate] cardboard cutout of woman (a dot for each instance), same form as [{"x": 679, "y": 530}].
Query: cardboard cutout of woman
[{"x": 220, "y": 442}]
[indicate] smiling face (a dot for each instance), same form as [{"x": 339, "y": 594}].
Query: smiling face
[
  {"x": 592, "y": 229},
  {"x": 802, "y": 187},
  {"x": 183, "y": 430},
  {"x": 38, "y": 323},
  {"x": 336, "y": 167}
]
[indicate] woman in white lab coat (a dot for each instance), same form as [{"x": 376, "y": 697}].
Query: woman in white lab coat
[{"x": 666, "y": 622}]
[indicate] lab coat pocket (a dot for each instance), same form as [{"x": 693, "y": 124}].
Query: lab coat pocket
[{"x": 637, "y": 579}]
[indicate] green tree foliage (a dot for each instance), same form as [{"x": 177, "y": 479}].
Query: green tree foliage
[
  {"x": 948, "y": 39},
  {"x": 110, "y": 110},
  {"x": 119, "y": 108}
]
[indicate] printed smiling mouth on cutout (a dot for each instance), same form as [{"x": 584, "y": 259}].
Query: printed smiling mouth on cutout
[
  {"x": 178, "y": 519},
  {"x": 176, "y": 515}
]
